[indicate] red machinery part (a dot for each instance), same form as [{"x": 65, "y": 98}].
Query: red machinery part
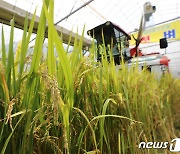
[
  {"x": 164, "y": 61},
  {"x": 133, "y": 52}
]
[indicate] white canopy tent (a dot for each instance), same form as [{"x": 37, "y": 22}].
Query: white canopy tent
[{"x": 125, "y": 13}]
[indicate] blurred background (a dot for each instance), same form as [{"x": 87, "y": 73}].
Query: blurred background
[{"x": 73, "y": 15}]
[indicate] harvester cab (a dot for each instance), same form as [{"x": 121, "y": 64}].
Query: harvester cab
[{"x": 111, "y": 38}]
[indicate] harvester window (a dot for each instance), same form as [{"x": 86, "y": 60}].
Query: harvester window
[{"x": 120, "y": 38}]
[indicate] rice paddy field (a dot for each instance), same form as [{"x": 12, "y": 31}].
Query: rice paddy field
[{"x": 72, "y": 104}]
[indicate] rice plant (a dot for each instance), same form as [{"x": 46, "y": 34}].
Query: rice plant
[{"x": 72, "y": 104}]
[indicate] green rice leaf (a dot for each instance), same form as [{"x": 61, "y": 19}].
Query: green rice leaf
[
  {"x": 3, "y": 49},
  {"x": 10, "y": 61},
  {"x": 51, "y": 61},
  {"x": 30, "y": 30},
  {"x": 115, "y": 116},
  {"x": 39, "y": 41},
  {"x": 102, "y": 132}
]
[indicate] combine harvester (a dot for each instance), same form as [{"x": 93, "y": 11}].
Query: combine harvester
[{"x": 109, "y": 36}]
